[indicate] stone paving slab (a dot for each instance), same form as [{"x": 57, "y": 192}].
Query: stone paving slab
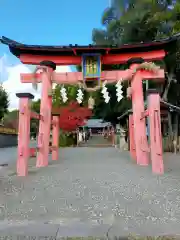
[{"x": 93, "y": 190}]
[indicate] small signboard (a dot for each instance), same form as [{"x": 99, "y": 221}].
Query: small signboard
[{"x": 91, "y": 66}]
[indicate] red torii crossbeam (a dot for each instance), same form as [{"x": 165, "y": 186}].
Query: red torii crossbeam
[
  {"x": 75, "y": 77},
  {"x": 106, "y": 59}
]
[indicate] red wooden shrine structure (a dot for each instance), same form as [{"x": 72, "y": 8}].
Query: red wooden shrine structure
[{"x": 48, "y": 57}]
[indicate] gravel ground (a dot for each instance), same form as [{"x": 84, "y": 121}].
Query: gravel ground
[{"x": 92, "y": 191}]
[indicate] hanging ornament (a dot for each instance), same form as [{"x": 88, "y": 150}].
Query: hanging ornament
[
  {"x": 105, "y": 93},
  {"x": 80, "y": 95},
  {"x": 91, "y": 103},
  {"x": 64, "y": 94},
  {"x": 119, "y": 91}
]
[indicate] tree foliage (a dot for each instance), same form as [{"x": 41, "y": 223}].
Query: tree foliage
[
  {"x": 10, "y": 119},
  {"x": 142, "y": 20},
  {"x": 4, "y": 102},
  {"x": 71, "y": 93},
  {"x": 139, "y": 21},
  {"x": 34, "y": 125}
]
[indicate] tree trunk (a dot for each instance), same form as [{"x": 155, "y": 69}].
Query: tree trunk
[{"x": 166, "y": 90}]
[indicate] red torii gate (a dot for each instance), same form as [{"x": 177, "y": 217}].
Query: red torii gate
[
  {"x": 48, "y": 57},
  {"x": 113, "y": 76}
]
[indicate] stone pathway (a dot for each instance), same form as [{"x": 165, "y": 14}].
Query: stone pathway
[
  {"x": 97, "y": 141},
  {"x": 91, "y": 191}
]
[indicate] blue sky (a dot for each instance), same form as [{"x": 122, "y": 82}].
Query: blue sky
[{"x": 61, "y": 23}]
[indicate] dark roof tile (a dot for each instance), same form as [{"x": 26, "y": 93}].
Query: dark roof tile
[{"x": 17, "y": 48}]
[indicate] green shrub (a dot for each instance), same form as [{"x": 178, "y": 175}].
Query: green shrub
[{"x": 65, "y": 139}]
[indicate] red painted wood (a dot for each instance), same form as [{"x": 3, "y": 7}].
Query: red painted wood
[
  {"x": 123, "y": 58},
  {"x": 45, "y": 124},
  {"x": 23, "y": 136},
  {"x": 131, "y": 137},
  {"x": 110, "y": 76},
  {"x": 139, "y": 123},
  {"x": 107, "y": 59},
  {"x": 32, "y": 152},
  {"x": 35, "y": 115},
  {"x": 155, "y": 133},
  {"x": 144, "y": 114},
  {"x": 55, "y": 138}
]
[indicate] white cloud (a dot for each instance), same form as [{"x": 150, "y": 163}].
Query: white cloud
[{"x": 13, "y": 84}]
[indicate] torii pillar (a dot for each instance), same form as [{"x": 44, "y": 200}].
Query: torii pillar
[
  {"x": 140, "y": 137},
  {"x": 155, "y": 131},
  {"x": 131, "y": 137},
  {"x": 23, "y": 132},
  {"x": 45, "y": 112},
  {"x": 55, "y": 137}
]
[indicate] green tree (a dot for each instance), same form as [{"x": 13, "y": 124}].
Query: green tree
[
  {"x": 34, "y": 126},
  {"x": 71, "y": 90},
  {"x": 141, "y": 21},
  {"x": 10, "y": 119},
  {"x": 110, "y": 112},
  {"x": 35, "y": 106},
  {"x": 4, "y": 102},
  {"x": 11, "y": 115},
  {"x": 71, "y": 94}
]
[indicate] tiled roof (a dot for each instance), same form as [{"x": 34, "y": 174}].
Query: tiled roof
[
  {"x": 17, "y": 48},
  {"x": 97, "y": 123}
]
